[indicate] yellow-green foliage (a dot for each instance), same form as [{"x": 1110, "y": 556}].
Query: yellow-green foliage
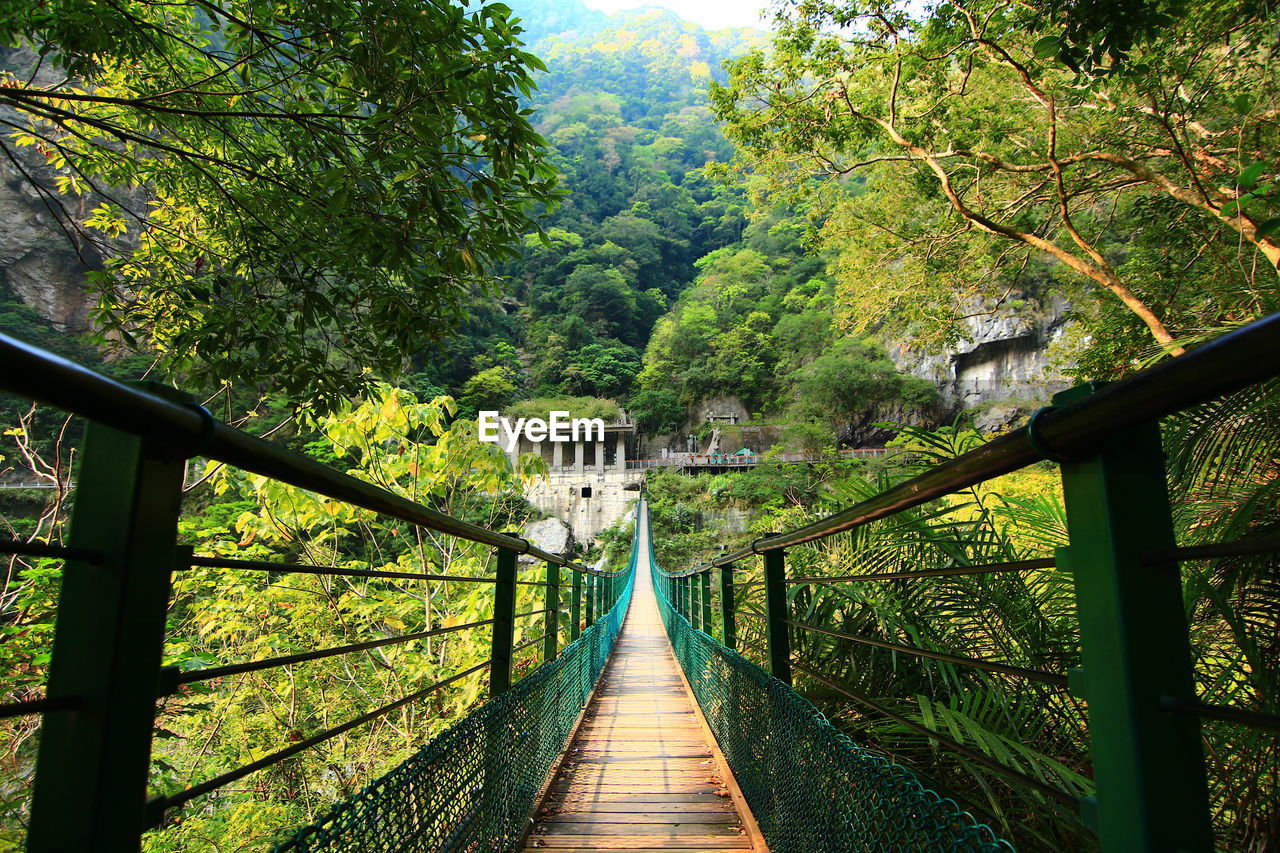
[
  {"x": 577, "y": 407},
  {"x": 225, "y": 615}
]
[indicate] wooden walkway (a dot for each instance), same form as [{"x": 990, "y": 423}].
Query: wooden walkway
[{"x": 641, "y": 774}]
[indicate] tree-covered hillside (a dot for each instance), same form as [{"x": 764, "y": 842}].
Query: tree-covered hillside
[
  {"x": 623, "y": 108},
  {"x": 645, "y": 217},
  {"x": 640, "y": 213}
]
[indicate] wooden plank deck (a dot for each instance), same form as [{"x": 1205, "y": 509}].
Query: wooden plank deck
[{"x": 641, "y": 774}]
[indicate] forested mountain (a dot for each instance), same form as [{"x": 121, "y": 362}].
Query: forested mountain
[
  {"x": 623, "y": 107},
  {"x": 642, "y": 212},
  {"x": 644, "y": 218}
]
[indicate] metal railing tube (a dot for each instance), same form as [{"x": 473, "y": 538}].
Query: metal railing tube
[
  {"x": 1052, "y": 678},
  {"x": 171, "y": 678},
  {"x": 186, "y": 430}
]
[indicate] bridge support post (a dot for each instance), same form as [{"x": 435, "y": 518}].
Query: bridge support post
[
  {"x": 704, "y": 581},
  {"x": 552, "y": 604},
  {"x": 94, "y": 757},
  {"x": 728, "y": 625},
  {"x": 691, "y": 584},
  {"x": 694, "y": 605},
  {"x": 504, "y": 622},
  {"x": 591, "y": 600},
  {"x": 575, "y": 607},
  {"x": 775, "y": 604},
  {"x": 1148, "y": 763}
]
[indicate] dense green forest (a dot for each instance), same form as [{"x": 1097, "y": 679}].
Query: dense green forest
[{"x": 363, "y": 234}]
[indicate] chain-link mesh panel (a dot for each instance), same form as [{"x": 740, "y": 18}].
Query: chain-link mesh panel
[
  {"x": 472, "y": 788},
  {"x": 811, "y": 789}
]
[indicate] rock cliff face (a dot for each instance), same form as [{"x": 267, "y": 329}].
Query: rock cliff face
[
  {"x": 37, "y": 262},
  {"x": 1002, "y": 356},
  {"x": 43, "y": 259}
]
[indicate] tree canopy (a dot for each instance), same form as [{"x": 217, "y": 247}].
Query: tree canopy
[
  {"x": 971, "y": 137},
  {"x": 302, "y": 188}
]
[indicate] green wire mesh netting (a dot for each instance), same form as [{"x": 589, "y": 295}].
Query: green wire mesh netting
[
  {"x": 474, "y": 786},
  {"x": 809, "y": 786}
]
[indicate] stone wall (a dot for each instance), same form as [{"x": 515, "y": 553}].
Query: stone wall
[
  {"x": 612, "y": 494},
  {"x": 44, "y": 254}
]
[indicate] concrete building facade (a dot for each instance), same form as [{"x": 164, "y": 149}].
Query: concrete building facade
[{"x": 588, "y": 485}]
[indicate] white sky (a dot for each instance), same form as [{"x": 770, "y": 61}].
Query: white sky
[{"x": 712, "y": 14}]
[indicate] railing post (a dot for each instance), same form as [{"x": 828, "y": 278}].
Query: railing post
[
  {"x": 504, "y": 624},
  {"x": 691, "y": 582},
  {"x": 575, "y": 607},
  {"x": 91, "y": 773},
  {"x": 704, "y": 581},
  {"x": 775, "y": 603},
  {"x": 1149, "y": 764},
  {"x": 728, "y": 624},
  {"x": 551, "y": 602},
  {"x": 591, "y": 600}
]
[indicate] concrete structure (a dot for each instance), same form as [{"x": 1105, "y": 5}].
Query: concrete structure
[{"x": 588, "y": 486}]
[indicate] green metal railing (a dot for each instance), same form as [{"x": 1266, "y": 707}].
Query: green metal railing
[
  {"x": 1137, "y": 676},
  {"x": 809, "y": 786},
  {"x": 475, "y": 786},
  {"x": 106, "y": 671}
]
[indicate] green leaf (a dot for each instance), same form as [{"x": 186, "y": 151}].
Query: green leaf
[
  {"x": 1268, "y": 227},
  {"x": 1047, "y": 47},
  {"x": 1249, "y": 177}
]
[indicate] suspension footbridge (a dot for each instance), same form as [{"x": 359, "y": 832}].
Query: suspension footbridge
[
  {"x": 642, "y": 772},
  {"x": 643, "y": 726}
]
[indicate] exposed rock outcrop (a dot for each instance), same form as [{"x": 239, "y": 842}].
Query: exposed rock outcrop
[
  {"x": 43, "y": 257},
  {"x": 1003, "y": 355},
  {"x": 550, "y": 534}
]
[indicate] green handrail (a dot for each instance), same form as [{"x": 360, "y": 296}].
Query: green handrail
[
  {"x": 1077, "y": 428},
  {"x": 187, "y": 430},
  {"x": 475, "y": 786},
  {"x": 106, "y": 673},
  {"x": 810, "y": 788},
  {"x": 1137, "y": 675}
]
